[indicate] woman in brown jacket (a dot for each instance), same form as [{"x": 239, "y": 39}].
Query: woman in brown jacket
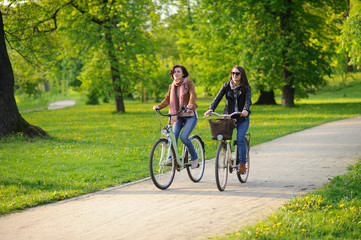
[{"x": 182, "y": 93}]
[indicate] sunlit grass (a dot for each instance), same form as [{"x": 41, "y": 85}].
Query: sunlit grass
[{"x": 92, "y": 147}]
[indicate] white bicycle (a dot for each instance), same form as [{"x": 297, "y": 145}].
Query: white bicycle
[{"x": 165, "y": 159}]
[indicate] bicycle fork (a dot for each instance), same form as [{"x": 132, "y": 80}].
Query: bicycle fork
[{"x": 232, "y": 164}]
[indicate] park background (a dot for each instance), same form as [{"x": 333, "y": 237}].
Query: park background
[{"x": 301, "y": 57}]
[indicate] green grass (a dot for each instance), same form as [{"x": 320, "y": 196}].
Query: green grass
[
  {"x": 332, "y": 212},
  {"x": 92, "y": 148}
]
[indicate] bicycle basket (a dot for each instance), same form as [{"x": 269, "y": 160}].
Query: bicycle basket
[{"x": 223, "y": 127}]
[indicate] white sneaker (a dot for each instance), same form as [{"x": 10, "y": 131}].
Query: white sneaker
[{"x": 195, "y": 164}]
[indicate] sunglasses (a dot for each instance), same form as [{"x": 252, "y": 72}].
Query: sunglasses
[{"x": 236, "y": 73}]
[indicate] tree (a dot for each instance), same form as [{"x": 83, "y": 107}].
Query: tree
[
  {"x": 351, "y": 35},
  {"x": 296, "y": 42},
  {"x": 11, "y": 120},
  {"x": 122, "y": 33},
  {"x": 283, "y": 45},
  {"x": 209, "y": 40},
  {"x": 120, "y": 29}
]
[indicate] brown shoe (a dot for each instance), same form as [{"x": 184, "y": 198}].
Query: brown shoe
[
  {"x": 168, "y": 162},
  {"x": 242, "y": 168}
]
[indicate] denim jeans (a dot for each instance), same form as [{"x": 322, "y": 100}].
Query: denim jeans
[
  {"x": 189, "y": 124},
  {"x": 242, "y": 128}
]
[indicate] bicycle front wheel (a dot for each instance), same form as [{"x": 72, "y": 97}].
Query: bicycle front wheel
[
  {"x": 244, "y": 176},
  {"x": 162, "y": 164},
  {"x": 221, "y": 166},
  {"x": 196, "y": 174}
]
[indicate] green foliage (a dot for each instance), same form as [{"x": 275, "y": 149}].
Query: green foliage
[
  {"x": 292, "y": 37},
  {"x": 278, "y": 42},
  {"x": 64, "y": 38},
  {"x": 211, "y": 41},
  {"x": 96, "y": 83},
  {"x": 153, "y": 77},
  {"x": 115, "y": 41},
  {"x": 351, "y": 35}
]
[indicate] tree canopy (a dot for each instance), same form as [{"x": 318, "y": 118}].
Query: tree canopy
[
  {"x": 118, "y": 48},
  {"x": 351, "y": 35}
]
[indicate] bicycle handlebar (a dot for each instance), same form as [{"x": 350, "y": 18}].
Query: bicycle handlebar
[
  {"x": 173, "y": 114},
  {"x": 223, "y": 115}
]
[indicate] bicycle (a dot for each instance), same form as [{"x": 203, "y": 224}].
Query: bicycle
[
  {"x": 222, "y": 130},
  {"x": 165, "y": 159}
]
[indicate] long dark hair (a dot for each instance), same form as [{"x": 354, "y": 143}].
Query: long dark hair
[
  {"x": 184, "y": 70},
  {"x": 244, "y": 79}
]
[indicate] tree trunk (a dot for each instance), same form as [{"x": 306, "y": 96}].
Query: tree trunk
[
  {"x": 288, "y": 95},
  {"x": 11, "y": 122},
  {"x": 266, "y": 98},
  {"x": 288, "y": 92},
  {"x": 115, "y": 72}
]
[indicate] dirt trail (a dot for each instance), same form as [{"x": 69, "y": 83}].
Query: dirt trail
[{"x": 281, "y": 169}]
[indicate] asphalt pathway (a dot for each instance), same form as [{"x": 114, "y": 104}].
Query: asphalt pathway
[
  {"x": 61, "y": 104},
  {"x": 280, "y": 169}
]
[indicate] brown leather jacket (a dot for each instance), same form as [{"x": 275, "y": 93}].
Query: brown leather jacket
[{"x": 189, "y": 98}]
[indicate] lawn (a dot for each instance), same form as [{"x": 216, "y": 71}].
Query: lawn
[
  {"x": 332, "y": 212},
  {"x": 92, "y": 147}
]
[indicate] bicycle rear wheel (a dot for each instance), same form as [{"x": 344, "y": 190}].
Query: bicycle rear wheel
[
  {"x": 244, "y": 176},
  {"x": 221, "y": 166},
  {"x": 162, "y": 174},
  {"x": 196, "y": 174}
]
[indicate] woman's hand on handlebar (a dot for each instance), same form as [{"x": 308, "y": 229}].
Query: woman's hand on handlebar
[
  {"x": 244, "y": 113},
  {"x": 208, "y": 113},
  {"x": 155, "y": 108}
]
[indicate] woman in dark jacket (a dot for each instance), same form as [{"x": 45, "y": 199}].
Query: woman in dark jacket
[{"x": 238, "y": 99}]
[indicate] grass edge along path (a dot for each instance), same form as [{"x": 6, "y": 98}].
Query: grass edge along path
[{"x": 331, "y": 212}]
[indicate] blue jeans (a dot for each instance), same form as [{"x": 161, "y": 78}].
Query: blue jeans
[
  {"x": 189, "y": 125},
  {"x": 242, "y": 128}
]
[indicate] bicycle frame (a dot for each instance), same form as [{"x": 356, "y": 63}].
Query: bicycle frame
[
  {"x": 168, "y": 132},
  {"x": 229, "y": 151}
]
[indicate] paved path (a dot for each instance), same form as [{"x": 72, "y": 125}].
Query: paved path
[
  {"x": 54, "y": 105},
  {"x": 61, "y": 104},
  {"x": 281, "y": 169}
]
